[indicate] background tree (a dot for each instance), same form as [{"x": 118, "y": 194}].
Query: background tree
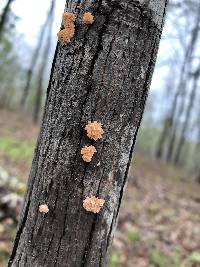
[
  {"x": 185, "y": 126},
  {"x": 10, "y": 66},
  {"x": 35, "y": 57},
  {"x": 4, "y": 16},
  {"x": 44, "y": 63},
  {"x": 177, "y": 110},
  {"x": 173, "y": 120}
]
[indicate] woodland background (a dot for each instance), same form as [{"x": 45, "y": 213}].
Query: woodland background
[{"x": 159, "y": 223}]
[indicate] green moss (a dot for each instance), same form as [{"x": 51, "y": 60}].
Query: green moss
[
  {"x": 21, "y": 189},
  {"x": 3, "y": 257},
  {"x": 158, "y": 259},
  {"x": 133, "y": 235},
  {"x": 194, "y": 257},
  {"x": 16, "y": 150},
  {"x": 114, "y": 261},
  {"x": 177, "y": 261}
]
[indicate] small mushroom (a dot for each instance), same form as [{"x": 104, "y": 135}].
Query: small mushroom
[
  {"x": 68, "y": 19},
  {"x": 88, "y": 18},
  {"x": 65, "y": 35},
  {"x": 94, "y": 130},
  {"x": 87, "y": 153},
  {"x": 43, "y": 208},
  {"x": 93, "y": 204}
]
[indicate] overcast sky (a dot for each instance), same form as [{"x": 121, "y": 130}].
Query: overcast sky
[{"x": 32, "y": 15}]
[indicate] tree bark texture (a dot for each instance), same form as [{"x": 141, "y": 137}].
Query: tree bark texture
[{"x": 102, "y": 75}]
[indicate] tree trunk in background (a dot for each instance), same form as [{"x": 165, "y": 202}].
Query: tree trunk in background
[
  {"x": 163, "y": 137},
  {"x": 187, "y": 117},
  {"x": 170, "y": 148},
  {"x": 4, "y": 16},
  {"x": 42, "y": 69},
  {"x": 102, "y": 75},
  {"x": 196, "y": 152},
  {"x": 182, "y": 88},
  {"x": 36, "y": 53},
  {"x": 169, "y": 122}
]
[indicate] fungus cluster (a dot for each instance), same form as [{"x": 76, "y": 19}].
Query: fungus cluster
[
  {"x": 68, "y": 19},
  {"x": 65, "y": 35},
  {"x": 43, "y": 208},
  {"x": 87, "y": 153},
  {"x": 93, "y": 204},
  {"x": 88, "y": 18},
  {"x": 94, "y": 130},
  {"x": 68, "y": 32}
]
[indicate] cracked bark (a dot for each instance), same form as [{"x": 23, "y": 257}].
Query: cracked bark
[{"x": 103, "y": 75}]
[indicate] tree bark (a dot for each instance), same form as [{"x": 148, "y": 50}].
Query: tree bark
[{"x": 102, "y": 75}]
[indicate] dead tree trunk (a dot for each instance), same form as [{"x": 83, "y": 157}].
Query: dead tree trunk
[
  {"x": 31, "y": 69},
  {"x": 4, "y": 16},
  {"x": 42, "y": 69},
  {"x": 102, "y": 75}
]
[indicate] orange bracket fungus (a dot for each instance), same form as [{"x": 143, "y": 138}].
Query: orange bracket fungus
[
  {"x": 43, "y": 208},
  {"x": 87, "y": 153},
  {"x": 94, "y": 130},
  {"x": 65, "y": 35},
  {"x": 88, "y": 18},
  {"x": 93, "y": 204}
]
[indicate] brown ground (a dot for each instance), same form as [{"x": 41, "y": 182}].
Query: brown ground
[
  {"x": 21, "y": 128},
  {"x": 159, "y": 223},
  {"x": 18, "y": 124}
]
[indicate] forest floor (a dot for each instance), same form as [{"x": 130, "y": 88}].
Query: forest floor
[{"x": 159, "y": 222}]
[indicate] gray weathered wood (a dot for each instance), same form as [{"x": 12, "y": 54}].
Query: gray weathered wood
[{"x": 103, "y": 75}]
